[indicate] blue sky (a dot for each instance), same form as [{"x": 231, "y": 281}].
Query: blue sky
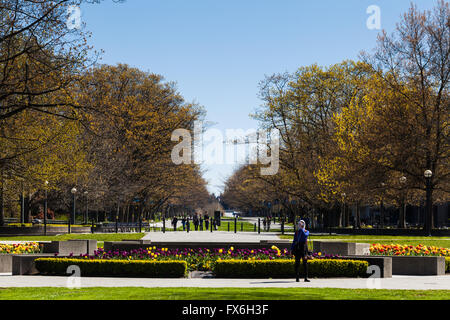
[{"x": 218, "y": 51}]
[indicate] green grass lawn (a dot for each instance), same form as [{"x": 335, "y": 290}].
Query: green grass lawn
[
  {"x": 100, "y": 237},
  {"x": 74, "y": 236},
  {"x": 429, "y": 241},
  {"x": 128, "y": 293}
]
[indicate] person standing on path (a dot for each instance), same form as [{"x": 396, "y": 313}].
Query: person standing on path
[
  {"x": 195, "y": 220},
  {"x": 183, "y": 222},
  {"x": 206, "y": 221},
  {"x": 299, "y": 248}
]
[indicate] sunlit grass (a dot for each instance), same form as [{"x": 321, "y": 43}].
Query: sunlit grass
[{"x": 139, "y": 293}]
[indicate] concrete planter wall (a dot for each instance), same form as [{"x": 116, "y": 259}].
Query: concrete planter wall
[
  {"x": 76, "y": 247},
  {"x": 341, "y": 248},
  {"x": 413, "y": 265},
  {"x": 23, "y": 264},
  {"x": 384, "y": 263},
  {"x": 5, "y": 263}
]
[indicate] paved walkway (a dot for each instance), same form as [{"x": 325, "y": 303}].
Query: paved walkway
[
  {"x": 396, "y": 282},
  {"x": 206, "y": 236}
]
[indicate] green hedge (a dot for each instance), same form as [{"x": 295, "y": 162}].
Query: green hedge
[
  {"x": 447, "y": 264},
  {"x": 320, "y": 268},
  {"x": 124, "y": 268}
]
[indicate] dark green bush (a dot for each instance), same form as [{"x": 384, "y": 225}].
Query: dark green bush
[
  {"x": 124, "y": 268},
  {"x": 320, "y": 268}
]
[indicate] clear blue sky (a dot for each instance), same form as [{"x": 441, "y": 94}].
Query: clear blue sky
[{"x": 218, "y": 51}]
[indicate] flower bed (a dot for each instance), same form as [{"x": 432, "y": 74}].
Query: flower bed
[
  {"x": 196, "y": 259},
  {"x": 282, "y": 268},
  {"x": 125, "y": 268},
  {"x": 20, "y": 248},
  {"x": 408, "y": 250}
]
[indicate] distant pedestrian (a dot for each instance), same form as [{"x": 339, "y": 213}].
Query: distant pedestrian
[
  {"x": 183, "y": 222},
  {"x": 299, "y": 248},
  {"x": 196, "y": 222},
  {"x": 201, "y": 223},
  {"x": 206, "y": 221},
  {"x": 174, "y": 223}
]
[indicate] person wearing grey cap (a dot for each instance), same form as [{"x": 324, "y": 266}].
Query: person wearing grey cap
[{"x": 299, "y": 248}]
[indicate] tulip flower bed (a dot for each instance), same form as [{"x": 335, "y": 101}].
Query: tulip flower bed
[
  {"x": 408, "y": 250},
  {"x": 196, "y": 259},
  {"x": 20, "y": 248}
]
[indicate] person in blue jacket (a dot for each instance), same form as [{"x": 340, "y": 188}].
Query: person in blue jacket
[{"x": 299, "y": 248}]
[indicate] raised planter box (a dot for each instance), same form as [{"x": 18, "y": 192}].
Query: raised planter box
[
  {"x": 5, "y": 263},
  {"x": 76, "y": 247},
  {"x": 23, "y": 264},
  {"x": 126, "y": 245},
  {"x": 414, "y": 265},
  {"x": 383, "y": 262},
  {"x": 341, "y": 248}
]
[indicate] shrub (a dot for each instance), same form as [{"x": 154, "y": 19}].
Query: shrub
[
  {"x": 322, "y": 268},
  {"x": 135, "y": 268}
]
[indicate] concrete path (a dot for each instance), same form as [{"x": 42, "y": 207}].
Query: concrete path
[
  {"x": 396, "y": 282},
  {"x": 206, "y": 236}
]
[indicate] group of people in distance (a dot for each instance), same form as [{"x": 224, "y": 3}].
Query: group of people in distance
[
  {"x": 266, "y": 223},
  {"x": 200, "y": 222}
]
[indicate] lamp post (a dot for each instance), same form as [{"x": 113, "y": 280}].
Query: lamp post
[
  {"x": 2, "y": 199},
  {"x": 402, "y": 218},
  {"x": 429, "y": 202},
  {"x": 382, "y": 206},
  {"x": 22, "y": 205},
  {"x": 343, "y": 220},
  {"x": 87, "y": 208},
  {"x": 73, "y": 191},
  {"x": 45, "y": 208}
]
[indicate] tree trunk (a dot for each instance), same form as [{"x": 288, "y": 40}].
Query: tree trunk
[
  {"x": 402, "y": 216},
  {"x": 2, "y": 201},
  {"x": 27, "y": 209},
  {"x": 358, "y": 216},
  {"x": 346, "y": 215}
]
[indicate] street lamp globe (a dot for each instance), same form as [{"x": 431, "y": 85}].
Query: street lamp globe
[
  {"x": 428, "y": 174},
  {"x": 74, "y": 190}
]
